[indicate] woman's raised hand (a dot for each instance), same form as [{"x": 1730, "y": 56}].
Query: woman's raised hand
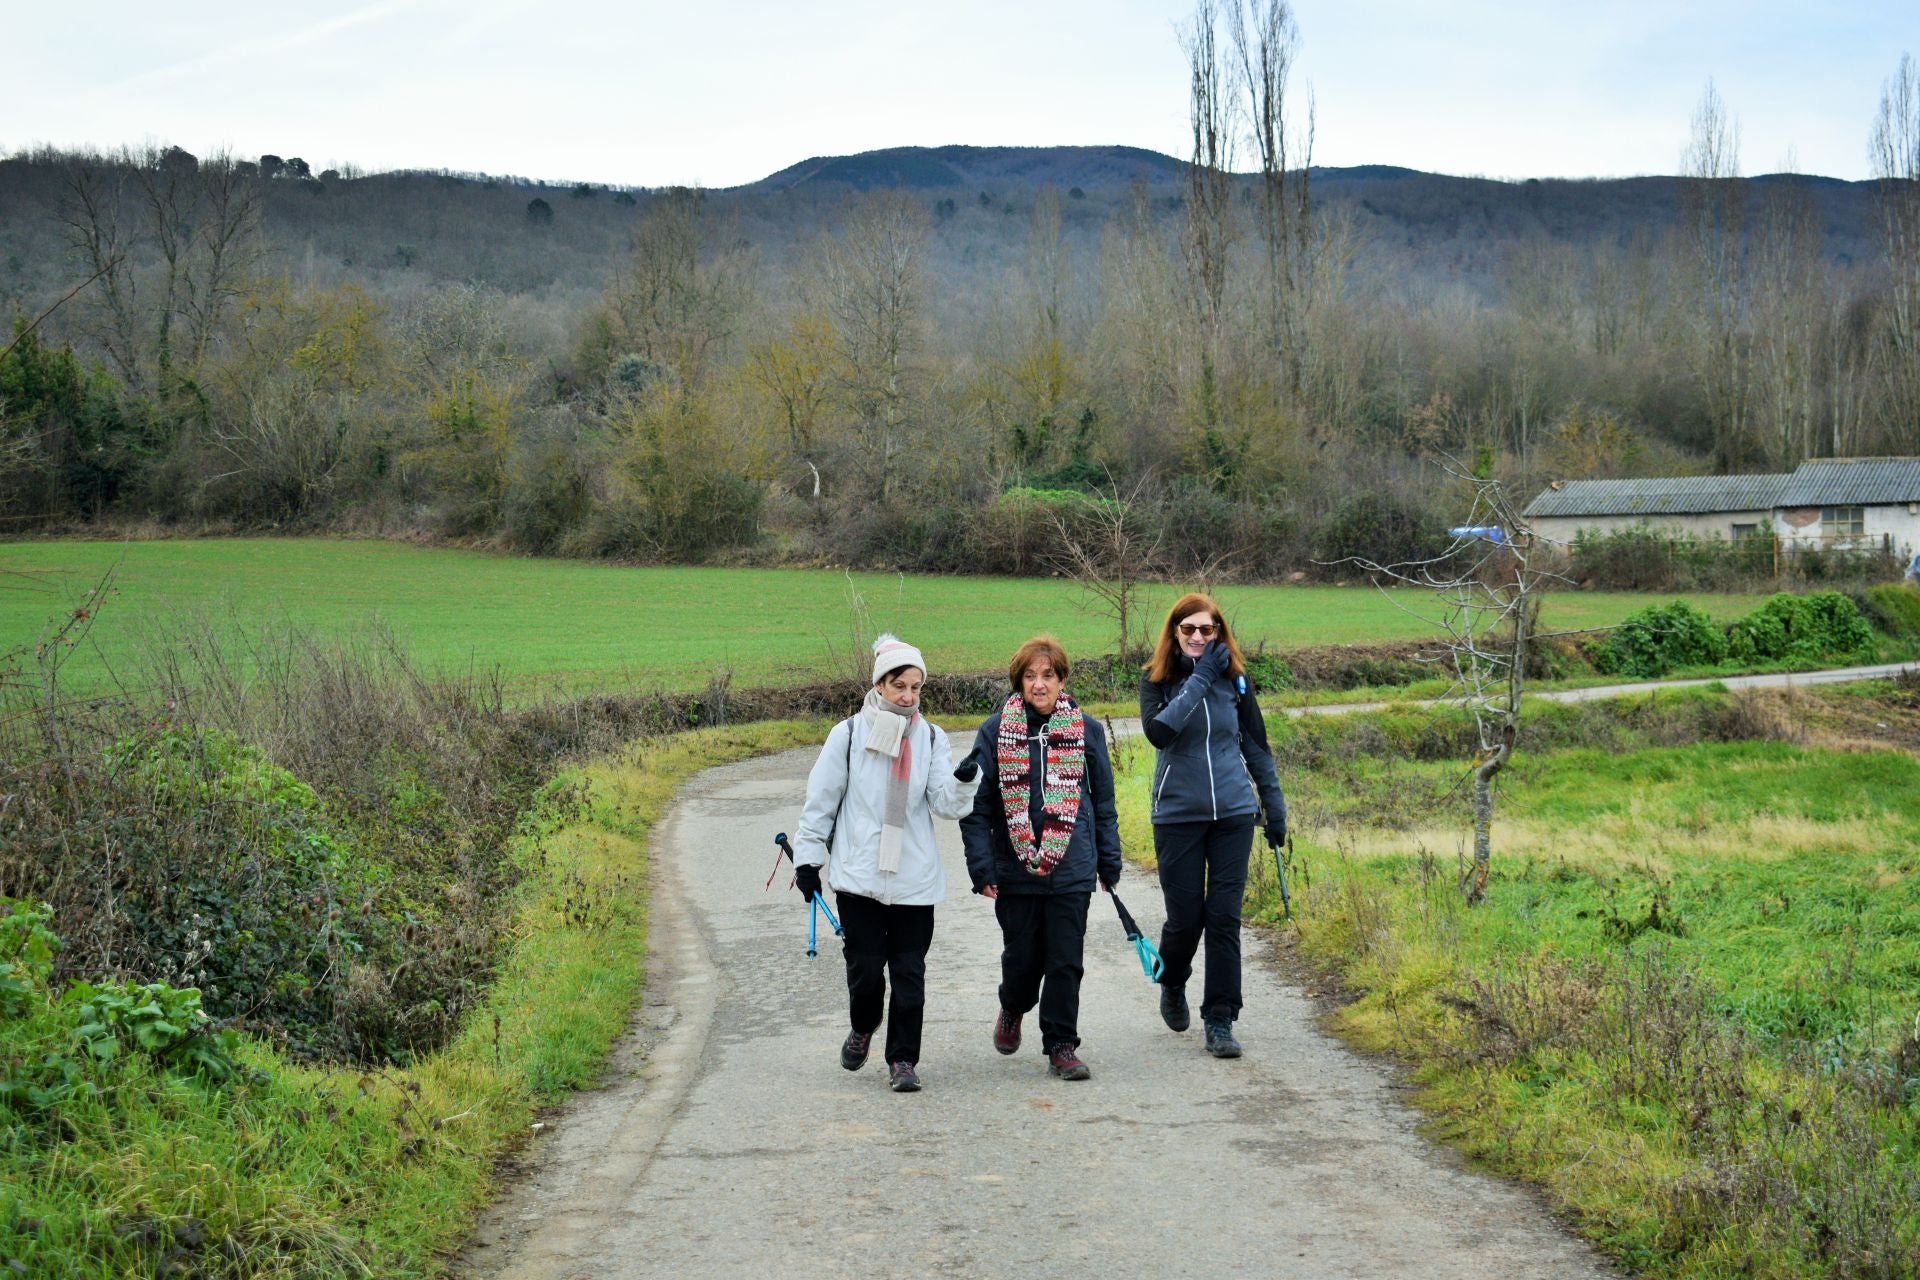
[{"x": 1213, "y": 660}]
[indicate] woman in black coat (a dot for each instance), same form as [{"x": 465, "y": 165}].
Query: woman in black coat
[
  {"x": 1213, "y": 780},
  {"x": 1042, "y": 832}
]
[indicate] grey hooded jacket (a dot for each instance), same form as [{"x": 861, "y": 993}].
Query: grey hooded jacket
[{"x": 1213, "y": 761}]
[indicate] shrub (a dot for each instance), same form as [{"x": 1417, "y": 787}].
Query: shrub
[
  {"x": 1812, "y": 628},
  {"x": 1019, "y": 529},
  {"x": 1626, "y": 560},
  {"x": 1380, "y": 528},
  {"x": 1655, "y": 640}
]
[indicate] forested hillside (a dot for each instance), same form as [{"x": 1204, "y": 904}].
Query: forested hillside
[{"x": 915, "y": 357}]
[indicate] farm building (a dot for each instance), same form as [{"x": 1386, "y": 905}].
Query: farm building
[{"x": 1841, "y": 503}]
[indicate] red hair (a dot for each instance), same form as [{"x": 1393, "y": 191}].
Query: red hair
[{"x": 1166, "y": 653}]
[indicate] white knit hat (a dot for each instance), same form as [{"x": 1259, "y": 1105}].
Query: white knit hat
[{"x": 890, "y": 651}]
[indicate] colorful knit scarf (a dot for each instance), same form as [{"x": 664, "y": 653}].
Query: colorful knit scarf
[{"x": 1066, "y": 766}]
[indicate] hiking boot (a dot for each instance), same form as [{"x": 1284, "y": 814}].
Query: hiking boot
[
  {"x": 900, "y": 1078},
  {"x": 853, "y": 1053},
  {"x": 1064, "y": 1063},
  {"x": 1006, "y": 1032},
  {"x": 1220, "y": 1041},
  {"x": 1173, "y": 1008}
]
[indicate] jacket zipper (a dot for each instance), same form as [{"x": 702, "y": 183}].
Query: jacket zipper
[
  {"x": 1165, "y": 773},
  {"x": 1212, "y": 798}
]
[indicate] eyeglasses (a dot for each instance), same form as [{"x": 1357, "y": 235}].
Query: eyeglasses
[{"x": 1204, "y": 630}]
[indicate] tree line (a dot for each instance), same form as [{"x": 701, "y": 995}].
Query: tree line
[{"x": 922, "y": 377}]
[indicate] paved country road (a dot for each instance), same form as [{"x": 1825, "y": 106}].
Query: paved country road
[
  {"x": 1592, "y": 693},
  {"x": 730, "y": 1143}
]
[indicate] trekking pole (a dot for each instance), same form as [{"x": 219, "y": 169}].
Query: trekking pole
[
  {"x": 817, "y": 901},
  {"x": 1150, "y": 962},
  {"x": 813, "y": 926},
  {"x": 1280, "y": 874}
]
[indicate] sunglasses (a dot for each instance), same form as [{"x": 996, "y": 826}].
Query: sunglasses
[{"x": 1204, "y": 630}]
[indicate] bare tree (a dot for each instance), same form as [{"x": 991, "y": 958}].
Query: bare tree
[
  {"x": 98, "y": 232},
  {"x": 677, "y": 298},
  {"x": 1266, "y": 41},
  {"x": 1790, "y": 302},
  {"x": 172, "y": 239},
  {"x": 1712, "y": 224},
  {"x": 1209, "y": 235},
  {"x": 1487, "y": 582},
  {"x": 1894, "y": 149},
  {"x": 1137, "y": 333},
  {"x": 1109, "y": 544},
  {"x": 872, "y": 277}
]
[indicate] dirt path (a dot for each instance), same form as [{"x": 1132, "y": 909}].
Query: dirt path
[{"x": 731, "y": 1143}]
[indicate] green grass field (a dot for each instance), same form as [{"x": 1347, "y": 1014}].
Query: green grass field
[{"x": 582, "y": 625}]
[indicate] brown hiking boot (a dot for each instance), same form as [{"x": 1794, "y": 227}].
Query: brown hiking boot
[
  {"x": 1006, "y": 1032},
  {"x": 1063, "y": 1062}
]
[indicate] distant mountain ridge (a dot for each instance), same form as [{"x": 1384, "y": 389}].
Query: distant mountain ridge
[
  {"x": 959, "y": 165},
  {"x": 1410, "y": 208},
  {"x": 964, "y": 166}
]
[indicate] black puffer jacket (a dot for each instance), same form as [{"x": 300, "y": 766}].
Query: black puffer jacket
[
  {"x": 1093, "y": 851},
  {"x": 1214, "y": 761}
]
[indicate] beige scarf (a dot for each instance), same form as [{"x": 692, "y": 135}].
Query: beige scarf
[{"x": 890, "y": 733}]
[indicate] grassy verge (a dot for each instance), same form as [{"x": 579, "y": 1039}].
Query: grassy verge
[
  {"x": 1688, "y": 1008},
  {"x": 295, "y": 1170}
]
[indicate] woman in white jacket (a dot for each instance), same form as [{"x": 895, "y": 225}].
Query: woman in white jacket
[{"x": 882, "y": 778}]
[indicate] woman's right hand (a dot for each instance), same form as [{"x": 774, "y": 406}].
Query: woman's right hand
[{"x": 1213, "y": 660}]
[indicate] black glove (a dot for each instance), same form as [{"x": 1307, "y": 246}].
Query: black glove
[
  {"x": 1109, "y": 885},
  {"x": 1213, "y": 660},
  {"x": 967, "y": 769},
  {"x": 1277, "y": 832},
  {"x": 807, "y": 880}
]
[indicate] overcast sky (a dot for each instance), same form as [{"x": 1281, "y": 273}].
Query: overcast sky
[{"x": 721, "y": 92}]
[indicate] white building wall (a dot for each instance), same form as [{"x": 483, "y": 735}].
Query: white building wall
[
  {"x": 1891, "y": 519},
  {"x": 1719, "y": 524}
]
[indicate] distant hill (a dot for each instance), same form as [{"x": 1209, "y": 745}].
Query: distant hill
[{"x": 958, "y": 166}]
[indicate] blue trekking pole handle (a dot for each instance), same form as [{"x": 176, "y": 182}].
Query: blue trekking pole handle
[{"x": 813, "y": 926}]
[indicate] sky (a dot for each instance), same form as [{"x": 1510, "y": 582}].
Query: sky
[{"x": 722, "y": 92}]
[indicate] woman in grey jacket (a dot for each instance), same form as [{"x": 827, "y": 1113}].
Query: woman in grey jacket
[
  {"x": 1213, "y": 780},
  {"x": 1042, "y": 831},
  {"x": 881, "y": 779}
]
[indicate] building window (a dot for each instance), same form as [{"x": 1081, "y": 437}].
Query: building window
[
  {"x": 1745, "y": 531},
  {"x": 1843, "y": 522}
]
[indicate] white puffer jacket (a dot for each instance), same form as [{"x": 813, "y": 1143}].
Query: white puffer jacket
[{"x": 933, "y": 793}]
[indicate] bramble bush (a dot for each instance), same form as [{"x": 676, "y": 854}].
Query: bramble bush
[
  {"x": 1658, "y": 639},
  {"x": 59, "y": 1046},
  {"x": 1812, "y": 628}
]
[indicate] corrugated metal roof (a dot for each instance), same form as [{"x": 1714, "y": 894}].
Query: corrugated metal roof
[
  {"x": 1846, "y": 482},
  {"x": 1669, "y": 495}
]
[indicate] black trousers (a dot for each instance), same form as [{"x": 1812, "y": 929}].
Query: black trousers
[
  {"x": 1203, "y": 877},
  {"x": 1044, "y": 937},
  {"x": 887, "y": 941}
]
